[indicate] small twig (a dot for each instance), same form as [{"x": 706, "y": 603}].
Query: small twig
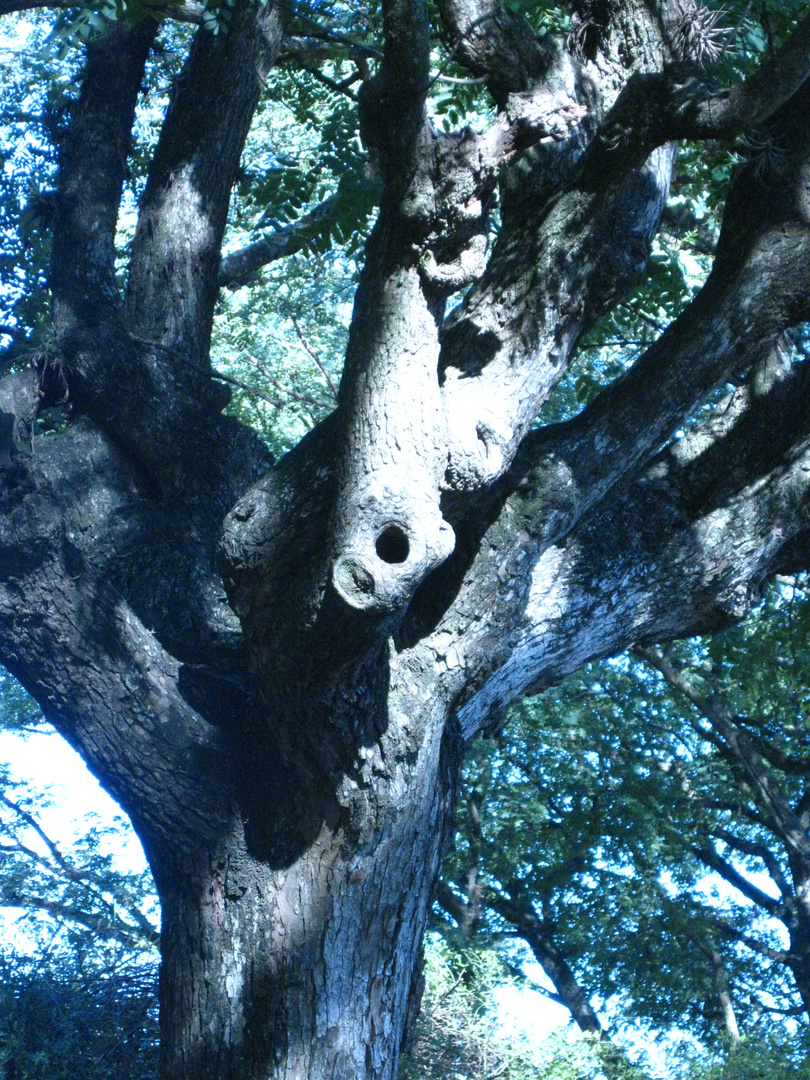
[
  {"x": 308, "y": 349},
  {"x": 458, "y": 82},
  {"x": 248, "y": 389}
]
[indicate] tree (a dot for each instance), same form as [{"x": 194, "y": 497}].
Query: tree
[
  {"x": 65, "y": 1015},
  {"x": 597, "y": 820},
  {"x": 79, "y": 983},
  {"x": 276, "y": 671}
]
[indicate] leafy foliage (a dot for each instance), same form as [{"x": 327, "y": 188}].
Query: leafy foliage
[
  {"x": 611, "y": 806},
  {"x": 456, "y": 1034},
  {"x": 64, "y": 1017}
]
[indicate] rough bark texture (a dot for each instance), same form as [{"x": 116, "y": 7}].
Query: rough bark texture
[{"x": 275, "y": 670}]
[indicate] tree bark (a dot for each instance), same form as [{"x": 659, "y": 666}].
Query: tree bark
[{"x": 298, "y": 964}]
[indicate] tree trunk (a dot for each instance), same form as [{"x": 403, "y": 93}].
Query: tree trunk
[{"x": 290, "y": 943}]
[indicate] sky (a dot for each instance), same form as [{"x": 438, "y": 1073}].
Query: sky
[{"x": 68, "y": 794}]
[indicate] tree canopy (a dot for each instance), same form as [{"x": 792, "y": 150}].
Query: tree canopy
[{"x": 369, "y": 368}]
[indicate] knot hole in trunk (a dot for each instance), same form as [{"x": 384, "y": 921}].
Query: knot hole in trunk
[{"x": 392, "y": 544}]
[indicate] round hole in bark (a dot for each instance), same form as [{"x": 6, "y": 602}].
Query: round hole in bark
[{"x": 392, "y": 544}]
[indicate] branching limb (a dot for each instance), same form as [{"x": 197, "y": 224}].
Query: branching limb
[
  {"x": 238, "y": 267},
  {"x": 708, "y": 540},
  {"x": 709, "y": 857},
  {"x": 766, "y": 791},
  {"x": 539, "y": 936},
  {"x": 681, "y": 103},
  {"x": 779, "y": 956},
  {"x": 757, "y": 851},
  {"x": 108, "y": 927},
  {"x": 173, "y": 275}
]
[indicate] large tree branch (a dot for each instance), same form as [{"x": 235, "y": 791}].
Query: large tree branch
[
  {"x": 92, "y": 167},
  {"x": 661, "y": 558},
  {"x": 496, "y": 377},
  {"x": 763, "y": 264},
  {"x": 173, "y": 271},
  {"x": 681, "y": 102}
]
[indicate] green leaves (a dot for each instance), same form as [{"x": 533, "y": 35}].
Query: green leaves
[{"x": 595, "y": 801}]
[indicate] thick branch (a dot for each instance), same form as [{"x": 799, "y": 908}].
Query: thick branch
[
  {"x": 71, "y": 530},
  {"x": 172, "y": 284},
  {"x": 91, "y": 177},
  {"x": 494, "y": 42},
  {"x": 661, "y": 558},
  {"x": 181, "y": 10},
  {"x": 682, "y": 103},
  {"x": 763, "y": 265},
  {"x": 506, "y": 347}
]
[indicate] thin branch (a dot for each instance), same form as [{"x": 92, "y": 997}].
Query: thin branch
[
  {"x": 51, "y": 845},
  {"x": 336, "y": 87},
  {"x": 275, "y": 402},
  {"x": 101, "y": 925},
  {"x": 322, "y": 33},
  {"x": 709, "y": 857},
  {"x": 779, "y": 956},
  {"x": 767, "y": 794},
  {"x": 313, "y": 355},
  {"x": 757, "y": 851},
  {"x": 252, "y": 390}
]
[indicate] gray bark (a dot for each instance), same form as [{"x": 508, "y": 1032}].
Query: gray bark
[{"x": 275, "y": 670}]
